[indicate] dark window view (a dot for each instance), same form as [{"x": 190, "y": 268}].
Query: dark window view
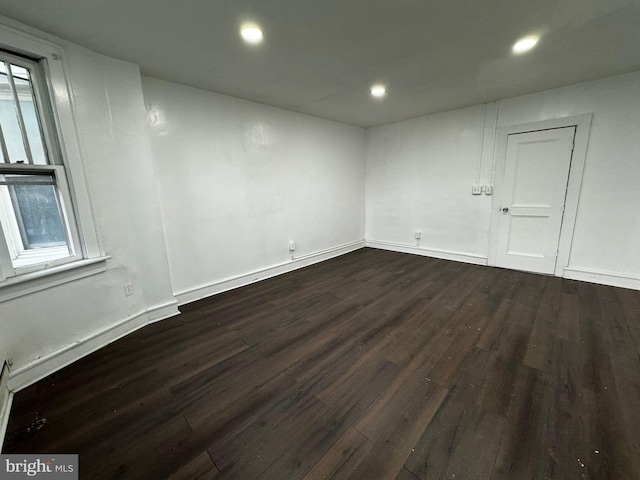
[{"x": 38, "y": 215}]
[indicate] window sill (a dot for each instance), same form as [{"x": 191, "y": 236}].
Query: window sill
[{"x": 28, "y": 283}]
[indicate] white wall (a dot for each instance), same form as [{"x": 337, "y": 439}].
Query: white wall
[
  {"x": 44, "y": 330},
  {"x": 238, "y": 180},
  {"x": 420, "y": 173},
  {"x": 419, "y": 177}
]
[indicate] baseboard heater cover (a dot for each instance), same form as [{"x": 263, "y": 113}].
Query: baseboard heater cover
[{"x": 5, "y": 399}]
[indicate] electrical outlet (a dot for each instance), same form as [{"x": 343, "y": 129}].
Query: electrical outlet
[
  {"x": 476, "y": 190},
  {"x": 418, "y": 235},
  {"x": 128, "y": 289},
  {"x": 488, "y": 189},
  {"x": 292, "y": 246}
]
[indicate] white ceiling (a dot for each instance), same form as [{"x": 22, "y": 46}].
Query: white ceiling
[{"x": 320, "y": 57}]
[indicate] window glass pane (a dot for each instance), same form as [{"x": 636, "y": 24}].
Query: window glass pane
[
  {"x": 22, "y": 80},
  {"x": 32, "y": 221},
  {"x": 9, "y": 120},
  {"x": 39, "y": 214}
]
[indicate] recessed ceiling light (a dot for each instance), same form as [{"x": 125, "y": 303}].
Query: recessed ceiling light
[
  {"x": 251, "y": 33},
  {"x": 378, "y": 91},
  {"x": 525, "y": 44}
]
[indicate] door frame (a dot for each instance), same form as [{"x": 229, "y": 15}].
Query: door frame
[{"x": 576, "y": 170}]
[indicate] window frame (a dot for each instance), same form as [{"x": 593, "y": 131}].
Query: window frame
[
  {"x": 58, "y": 127},
  {"x": 64, "y": 197}
]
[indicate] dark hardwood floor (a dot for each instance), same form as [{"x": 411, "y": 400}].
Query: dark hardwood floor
[{"x": 374, "y": 365}]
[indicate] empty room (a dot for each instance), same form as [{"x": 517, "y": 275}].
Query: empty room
[{"x": 320, "y": 240}]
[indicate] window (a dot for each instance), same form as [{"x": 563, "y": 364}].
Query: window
[
  {"x": 47, "y": 228},
  {"x": 36, "y": 216}
]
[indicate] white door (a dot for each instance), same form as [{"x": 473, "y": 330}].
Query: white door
[{"x": 534, "y": 189}]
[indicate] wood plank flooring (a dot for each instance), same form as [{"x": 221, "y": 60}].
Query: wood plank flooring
[{"x": 374, "y": 365}]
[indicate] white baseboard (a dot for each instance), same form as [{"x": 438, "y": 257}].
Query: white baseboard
[
  {"x": 160, "y": 312},
  {"x": 197, "y": 293},
  {"x": 604, "y": 278},
  {"x": 444, "y": 254},
  {"x": 6, "y": 398},
  {"x": 23, "y": 376}
]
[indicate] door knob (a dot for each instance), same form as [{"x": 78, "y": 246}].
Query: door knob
[{"x": 505, "y": 210}]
